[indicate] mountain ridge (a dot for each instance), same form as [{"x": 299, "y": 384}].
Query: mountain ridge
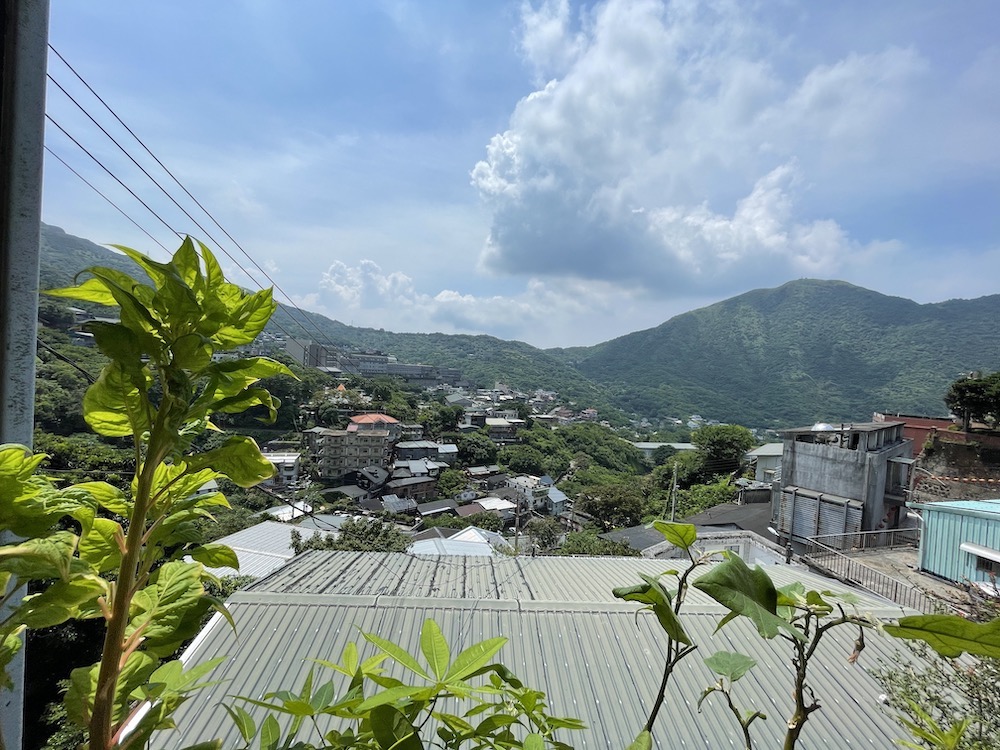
[{"x": 809, "y": 349}]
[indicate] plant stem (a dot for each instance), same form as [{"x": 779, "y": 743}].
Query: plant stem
[
  {"x": 676, "y": 653},
  {"x": 102, "y": 719}
]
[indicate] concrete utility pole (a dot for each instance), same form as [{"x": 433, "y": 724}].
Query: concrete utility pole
[{"x": 25, "y": 28}]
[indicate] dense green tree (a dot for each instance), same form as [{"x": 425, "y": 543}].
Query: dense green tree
[
  {"x": 700, "y": 497},
  {"x": 662, "y": 453},
  {"x": 616, "y": 505},
  {"x": 588, "y": 543},
  {"x": 475, "y": 449},
  {"x": 522, "y": 459},
  {"x": 451, "y": 482},
  {"x": 975, "y": 398},
  {"x": 487, "y": 521},
  {"x": 544, "y": 532},
  {"x": 367, "y": 535},
  {"x": 722, "y": 447}
]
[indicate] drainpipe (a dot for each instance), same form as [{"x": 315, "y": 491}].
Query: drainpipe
[{"x": 24, "y": 25}]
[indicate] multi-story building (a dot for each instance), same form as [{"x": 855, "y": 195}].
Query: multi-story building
[
  {"x": 379, "y": 423},
  {"x": 286, "y": 468},
  {"x": 310, "y": 354},
  {"x": 841, "y": 480},
  {"x": 338, "y": 453}
]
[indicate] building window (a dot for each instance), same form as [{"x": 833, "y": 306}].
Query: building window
[{"x": 985, "y": 565}]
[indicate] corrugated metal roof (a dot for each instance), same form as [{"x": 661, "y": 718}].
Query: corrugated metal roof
[
  {"x": 980, "y": 506},
  {"x": 260, "y": 549},
  {"x": 567, "y": 636}
]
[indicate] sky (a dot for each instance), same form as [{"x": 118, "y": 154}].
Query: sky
[{"x": 556, "y": 172}]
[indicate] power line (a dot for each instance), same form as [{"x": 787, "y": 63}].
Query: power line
[
  {"x": 275, "y": 284},
  {"x": 113, "y": 204},
  {"x": 132, "y": 192},
  {"x": 112, "y": 174}
]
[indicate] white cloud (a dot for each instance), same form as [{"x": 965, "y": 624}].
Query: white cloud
[{"x": 672, "y": 152}]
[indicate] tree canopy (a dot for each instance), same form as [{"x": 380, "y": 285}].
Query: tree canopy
[{"x": 975, "y": 397}]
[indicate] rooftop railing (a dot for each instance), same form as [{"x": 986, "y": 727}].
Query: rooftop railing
[{"x": 825, "y": 553}]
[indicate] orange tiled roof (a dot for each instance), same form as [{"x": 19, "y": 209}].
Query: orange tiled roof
[{"x": 373, "y": 419}]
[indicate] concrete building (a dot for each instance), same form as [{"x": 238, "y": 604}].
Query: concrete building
[
  {"x": 840, "y": 480},
  {"x": 341, "y": 452},
  {"x": 310, "y": 354},
  {"x": 378, "y": 422},
  {"x": 286, "y": 469},
  {"x": 766, "y": 460}
]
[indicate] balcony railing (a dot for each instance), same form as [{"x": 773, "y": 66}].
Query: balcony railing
[
  {"x": 860, "y": 541},
  {"x": 831, "y": 560}
]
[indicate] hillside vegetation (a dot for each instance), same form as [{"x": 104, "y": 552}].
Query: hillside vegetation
[
  {"x": 807, "y": 350},
  {"x": 802, "y": 352}
]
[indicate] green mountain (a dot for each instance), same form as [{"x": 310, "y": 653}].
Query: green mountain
[
  {"x": 805, "y": 351},
  {"x": 482, "y": 359}
]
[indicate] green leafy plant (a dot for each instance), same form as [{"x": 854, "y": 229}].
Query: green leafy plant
[
  {"x": 381, "y": 712},
  {"x": 798, "y": 616},
  {"x": 134, "y": 558}
]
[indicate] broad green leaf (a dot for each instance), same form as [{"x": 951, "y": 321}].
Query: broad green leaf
[
  {"x": 474, "y": 658},
  {"x": 656, "y": 598},
  {"x": 493, "y": 722},
  {"x": 207, "y": 745},
  {"x": 99, "y": 547},
  {"x": 950, "y": 635},
  {"x": 643, "y": 742},
  {"x": 91, "y": 290},
  {"x": 396, "y": 652},
  {"x": 747, "y": 593},
  {"x": 79, "y": 696},
  {"x": 270, "y": 733},
  {"x": 118, "y": 343},
  {"x": 435, "y": 648},
  {"x": 238, "y": 458},
  {"x": 534, "y": 741},
  {"x": 48, "y": 557},
  {"x": 390, "y": 695},
  {"x": 244, "y": 722},
  {"x": 729, "y": 664},
  {"x": 114, "y": 406},
  {"x": 10, "y": 646},
  {"x": 61, "y": 601},
  {"x": 682, "y": 535},
  {"x": 107, "y": 496},
  {"x": 247, "y": 320},
  {"x": 215, "y": 556},
  {"x": 169, "y": 610},
  {"x": 393, "y": 731},
  {"x": 192, "y": 352}
]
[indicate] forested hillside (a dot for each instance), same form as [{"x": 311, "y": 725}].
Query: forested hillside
[
  {"x": 804, "y": 351},
  {"x": 807, "y": 350}
]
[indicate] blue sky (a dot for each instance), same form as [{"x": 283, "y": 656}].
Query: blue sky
[{"x": 555, "y": 172}]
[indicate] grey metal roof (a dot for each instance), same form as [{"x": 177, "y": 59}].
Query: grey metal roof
[
  {"x": 260, "y": 549},
  {"x": 567, "y": 636}
]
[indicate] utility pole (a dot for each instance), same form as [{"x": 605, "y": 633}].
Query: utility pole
[{"x": 25, "y": 26}]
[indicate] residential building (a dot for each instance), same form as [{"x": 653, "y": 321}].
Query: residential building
[
  {"x": 410, "y": 450},
  {"x": 338, "y": 453},
  {"x": 378, "y": 422},
  {"x": 416, "y": 488},
  {"x": 765, "y": 461},
  {"x": 286, "y": 468},
  {"x": 500, "y": 430},
  {"x": 960, "y": 540},
  {"x": 840, "y": 480},
  {"x": 310, "y": 354}
]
